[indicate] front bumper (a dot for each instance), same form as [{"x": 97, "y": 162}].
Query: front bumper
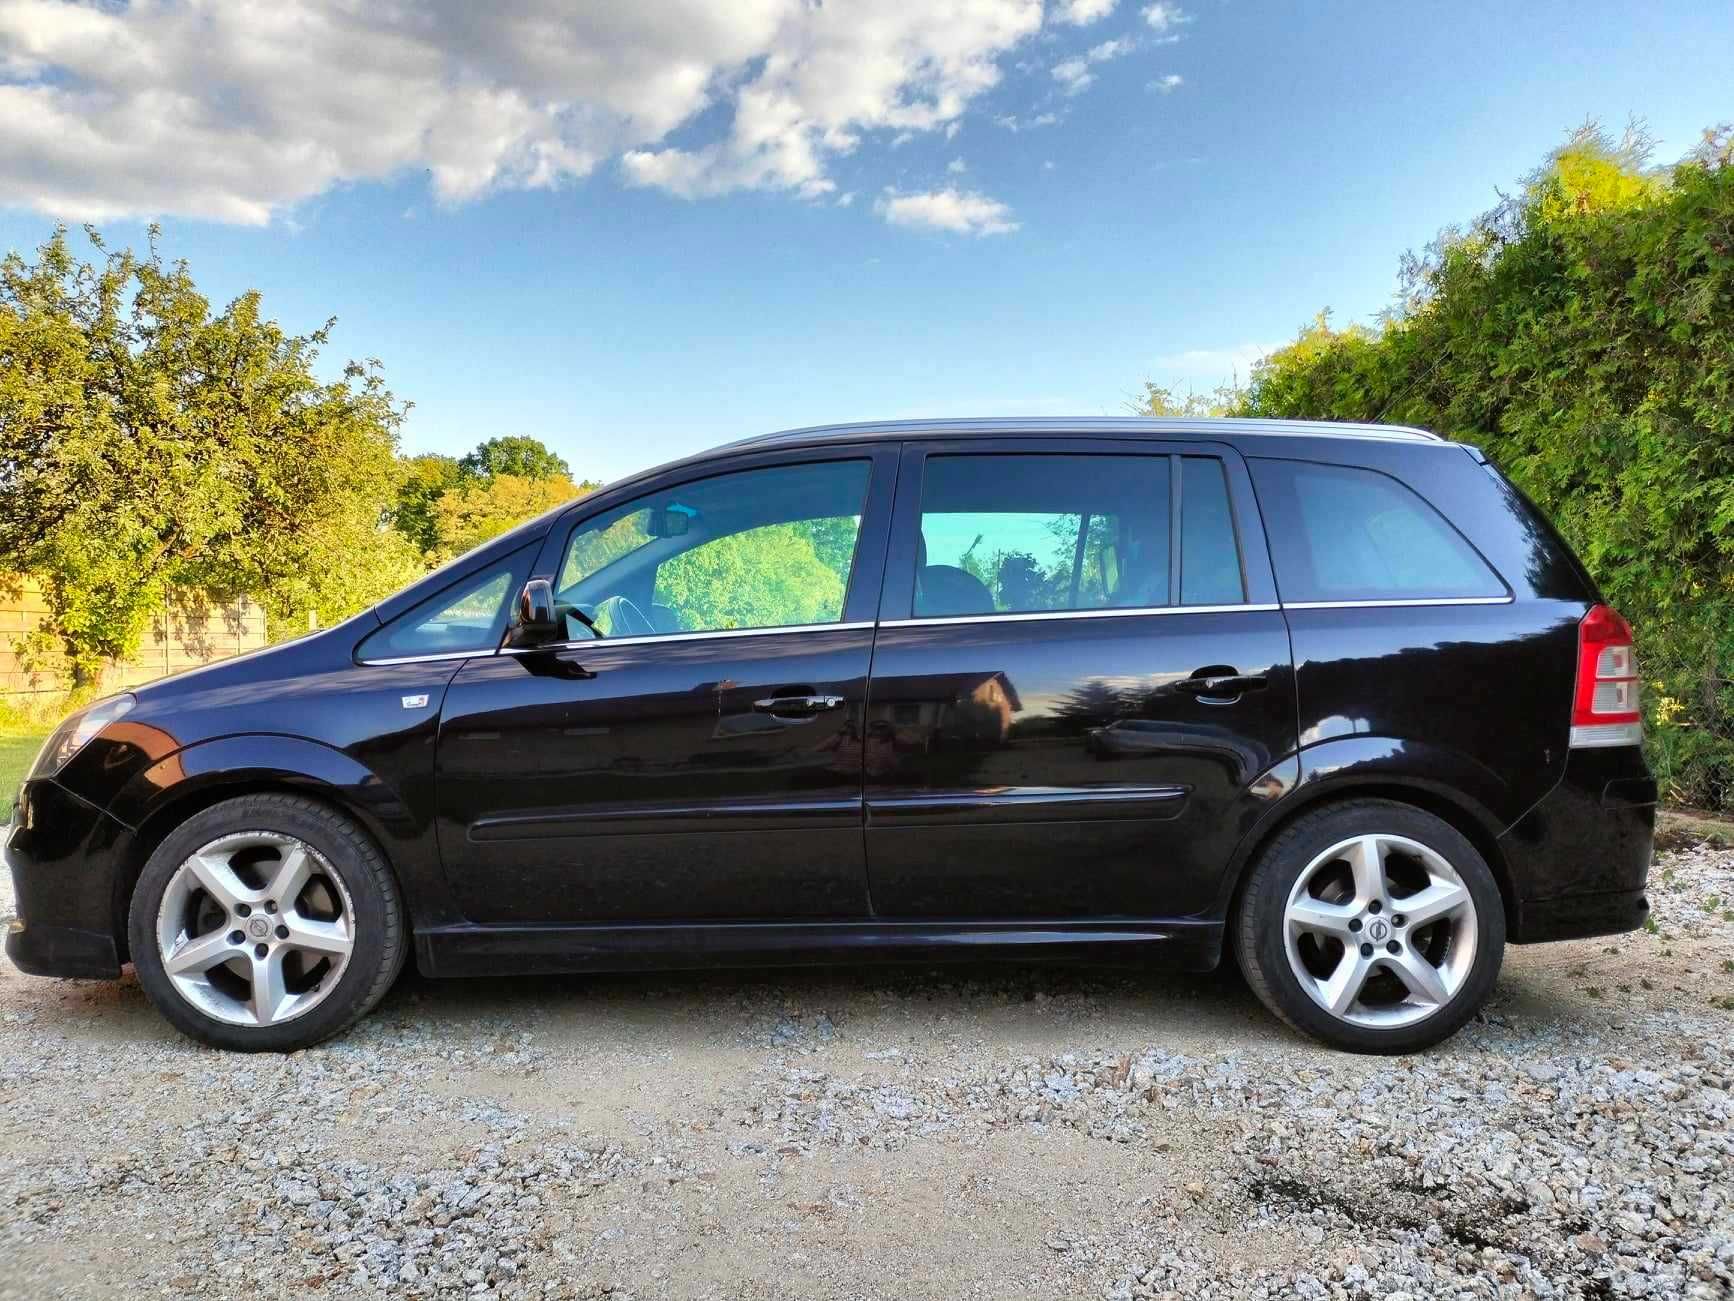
[
  {"x": 1581, "y": 857},
  {"x": 68, "y": 862}
]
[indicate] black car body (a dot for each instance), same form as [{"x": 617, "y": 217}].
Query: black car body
[{"x": 917, "y": 776}]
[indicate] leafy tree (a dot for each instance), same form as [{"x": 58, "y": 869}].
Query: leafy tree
[
  {"x": 518, "y": 455},
  {"x": 424, "y": 480},
  {"x": 1582, "y": 334},
  {"x": 1160, "y": 401},
  {"x": 755, "y": 578},
  {"x": 475, "y": 511},
  {"x": 151, "y": 448}
]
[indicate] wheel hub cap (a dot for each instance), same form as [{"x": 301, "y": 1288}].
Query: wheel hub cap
[{"x": 1380, "y": 931}]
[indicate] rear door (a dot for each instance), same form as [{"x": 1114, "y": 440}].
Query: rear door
[
  {"x": 701, "y": 761},
  {"x": 1080, "y": 670}
]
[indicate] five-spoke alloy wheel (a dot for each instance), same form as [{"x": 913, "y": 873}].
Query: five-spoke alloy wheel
[
  {"x": 1372, "y": 925},
  {"x": 266, "y": 922}
]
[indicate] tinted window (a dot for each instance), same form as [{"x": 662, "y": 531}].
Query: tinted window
[
  {"x": 755, "y": 549},
  {"x": 1209, "y": 558},
  {"x": 1012, "y": 534},
  {"x": 1343, "y": 534},
  {"x": 468, "y": 616}
]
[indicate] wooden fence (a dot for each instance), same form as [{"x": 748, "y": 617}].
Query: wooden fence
[{"x": 177, "y": 639}]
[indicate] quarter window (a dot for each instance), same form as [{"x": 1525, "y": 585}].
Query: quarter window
[
  {"x": 1340, "y": 533},
  {"x": 765, "y": 548},
  {"x": 468, "y": 616}
]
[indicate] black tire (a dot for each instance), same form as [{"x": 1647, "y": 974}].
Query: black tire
[
  {"x": 1258, "y": 925},
  {"x": 380, "y": 942}
]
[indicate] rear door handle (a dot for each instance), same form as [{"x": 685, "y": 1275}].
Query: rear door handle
[
  {"x": 798, "y": 706},
  {"x": 1221, "y": 686}
]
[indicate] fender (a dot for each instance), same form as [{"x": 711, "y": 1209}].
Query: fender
[
  {"x": 1350, "y": 764},
  {"x": 249, "y": 759}
]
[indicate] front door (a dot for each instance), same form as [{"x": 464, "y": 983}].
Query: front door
[
  {"x": 694, "y": 751},
  {"x": 1081, "y": 671}
]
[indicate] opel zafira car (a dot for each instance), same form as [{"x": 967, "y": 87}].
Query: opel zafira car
[{"x": 1333, "y": 698}]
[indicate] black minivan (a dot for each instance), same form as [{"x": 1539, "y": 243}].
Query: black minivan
[{"x": 1336, "y": 697}]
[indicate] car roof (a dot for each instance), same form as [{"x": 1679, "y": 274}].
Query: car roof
[{"x": 1087, "y": 426}]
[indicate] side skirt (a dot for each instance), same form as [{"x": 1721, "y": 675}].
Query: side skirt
[{"x": 474, "y": 950}]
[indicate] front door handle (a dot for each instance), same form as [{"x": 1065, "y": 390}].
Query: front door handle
[
  {"x": 798, "y": 706},
  {"x": 1221, "y": 687}
]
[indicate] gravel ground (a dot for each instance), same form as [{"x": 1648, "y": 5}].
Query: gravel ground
[{"x": 972, "y": 1132}]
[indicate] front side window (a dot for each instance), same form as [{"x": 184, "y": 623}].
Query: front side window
[
  {"x": 468, "y": 616},
  {"x": 766, "y": 548},
  {"x": 1341, "y": 533}
]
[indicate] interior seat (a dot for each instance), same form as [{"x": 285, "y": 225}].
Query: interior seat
[{"x": 942, "y": 590}]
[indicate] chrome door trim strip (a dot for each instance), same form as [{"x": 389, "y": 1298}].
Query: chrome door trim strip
[
  {"x": 1049, "y": 616},
  {"x": 1398, "y": 602}
]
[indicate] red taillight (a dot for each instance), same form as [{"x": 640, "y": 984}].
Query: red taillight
[{"x": 1604, "y": 709}]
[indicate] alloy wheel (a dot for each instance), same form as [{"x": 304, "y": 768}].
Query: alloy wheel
[
  {"x": 255, "y": 928},
  {"x": 1380, "y": 931}
]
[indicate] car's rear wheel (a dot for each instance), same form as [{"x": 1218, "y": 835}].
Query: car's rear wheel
[
  {"x": 1373, "y": 926},
  {"x": 266, "y": 923}
]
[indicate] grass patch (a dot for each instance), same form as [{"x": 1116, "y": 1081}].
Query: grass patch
[{"x": 18, "y": 746}]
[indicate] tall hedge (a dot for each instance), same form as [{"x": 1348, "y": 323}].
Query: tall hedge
[{"x": 1582, "y": 334}]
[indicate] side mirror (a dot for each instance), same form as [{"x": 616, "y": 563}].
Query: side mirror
[{"x": 536, "y": 620}]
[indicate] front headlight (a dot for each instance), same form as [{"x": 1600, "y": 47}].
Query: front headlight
[{"x": 75, "y": 733}]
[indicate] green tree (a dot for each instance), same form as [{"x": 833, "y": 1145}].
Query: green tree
[
  {"x": 423, "y": 481},
  {"x": 475, "y": 511},
  {"x": 150, "y": 448},
  {"x": 1582, "y": 334},
  {"x": 518, "y": 455},
  {"x": 756, "y": 578}
]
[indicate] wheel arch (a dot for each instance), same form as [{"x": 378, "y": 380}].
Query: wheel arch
[
  {"x": 1461, "y": 812},
  {"x": 190, "y": 781}
]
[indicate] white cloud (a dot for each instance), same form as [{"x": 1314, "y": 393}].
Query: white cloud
[
  {"x": 1011, "y": 122},
  {"x": 1074, "y": 74},
  {"x": 1165, "y": 15},
  {"x": 1167, "y": 85},
  {"x": 1081, "y": 13},
  {"x": 1213, "y": 365},
  {"x": 236, "y": 110},
  {"x": 957, "y": 166},
  {"x": 960, "y": 211}
]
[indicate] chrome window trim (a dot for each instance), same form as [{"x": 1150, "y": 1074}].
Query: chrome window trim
[
  {"x": 1048, "y": 616},
  {"x": 1398, "y": 602},
  {"x": 708, "y": 635},
  {"x": 940, "y": 621},
  {"x": 430, "y": 659}
]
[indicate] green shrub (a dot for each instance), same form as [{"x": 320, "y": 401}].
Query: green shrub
[{"x": 1582, "y": 334}]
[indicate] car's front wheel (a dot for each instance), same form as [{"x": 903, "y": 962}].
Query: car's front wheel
[
  {"x": 1371, "y": 925},
  {"x": 266, "y": 923}
]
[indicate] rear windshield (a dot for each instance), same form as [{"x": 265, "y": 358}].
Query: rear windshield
[{"x": 1341, "y": 533}]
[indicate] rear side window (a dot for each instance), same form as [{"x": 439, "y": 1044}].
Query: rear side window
[
  {"x": 1014, "y": 534},
  {"x": 1340, "y": 533}
]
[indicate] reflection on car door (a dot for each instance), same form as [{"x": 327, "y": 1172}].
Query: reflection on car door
[
  {"x": 1080, "y": 668},
  {"x": 700, "y": 774}
]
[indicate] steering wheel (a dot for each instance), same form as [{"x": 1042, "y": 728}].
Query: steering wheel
[{"x": 625, "y": 619}]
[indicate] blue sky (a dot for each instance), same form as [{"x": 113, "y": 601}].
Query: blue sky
[{"x": 635, "y": 235}]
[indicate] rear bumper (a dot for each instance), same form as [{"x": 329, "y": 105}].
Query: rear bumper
[
  {"x": 1581, "y": 857},
  {"x": 66, "y": 859},
  {"x": 1580, "y": 916}
]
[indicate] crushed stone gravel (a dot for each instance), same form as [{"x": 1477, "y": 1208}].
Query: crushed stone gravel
[{"x": 953, "y": 1133}]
